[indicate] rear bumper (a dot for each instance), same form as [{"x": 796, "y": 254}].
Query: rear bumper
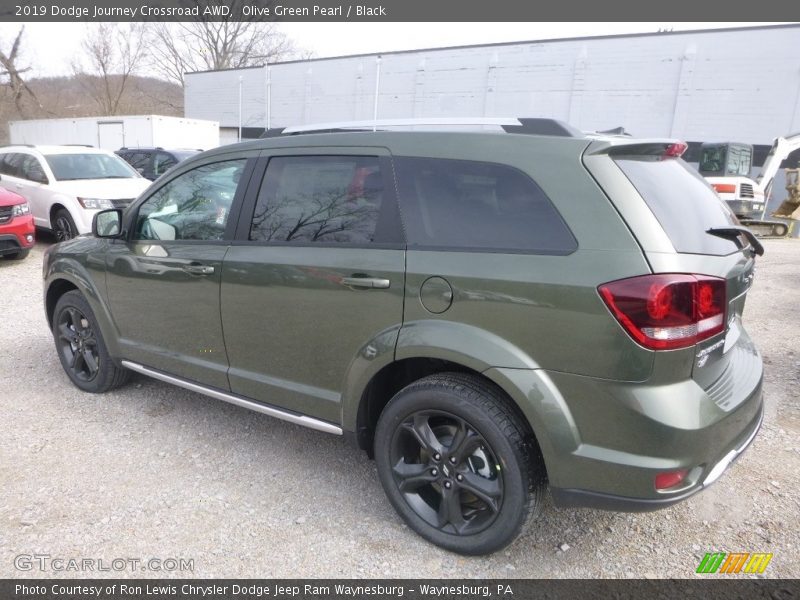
[
  {"x": 604, "y": 442},
  {"x": 601, "y": 501}
]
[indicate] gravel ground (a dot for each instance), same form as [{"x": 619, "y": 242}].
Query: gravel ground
[{"x": 154, "y": 471}]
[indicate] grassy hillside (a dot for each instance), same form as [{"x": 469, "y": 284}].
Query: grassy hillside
[{"x": 57, "y": 97}]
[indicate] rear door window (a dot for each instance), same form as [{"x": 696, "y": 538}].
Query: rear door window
[
  {"x": 459, "y": 204},
  {"x": 683, "y": 203},
  {"x": 12, "y": 165},
  {"x": 320, "y": 199}
]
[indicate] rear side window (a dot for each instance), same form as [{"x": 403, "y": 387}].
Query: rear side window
[
  {"x": 683, "y": 203},
  {"x": 319, "y": 199},
  {"x": 467, "y": 205}
]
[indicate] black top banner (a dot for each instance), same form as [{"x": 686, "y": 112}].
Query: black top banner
[{"x": 391, "y": 10}]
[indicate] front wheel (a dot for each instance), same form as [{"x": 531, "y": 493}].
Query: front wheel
[
  {"x": 17, "y": 255},
  {"x": 81, "y": 348},
  {"x": 458, "y": 464},
  {"x": 63, "y": 225}
]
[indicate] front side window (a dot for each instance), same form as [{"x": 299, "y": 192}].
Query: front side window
[
  {"x": 467, "y": 205},
  {"x": 32, "y": 170},
  {"x": 193, "y": 206},
  {"x": 328, "y": 199},
  {"x": 70, "y": 167}
]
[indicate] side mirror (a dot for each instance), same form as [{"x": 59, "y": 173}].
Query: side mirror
[{"x": 107, "y": 223}]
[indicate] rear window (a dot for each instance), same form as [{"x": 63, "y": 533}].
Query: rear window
[
  {"x": 459, "y": 204},
  {"x": 683, "y": 203}
]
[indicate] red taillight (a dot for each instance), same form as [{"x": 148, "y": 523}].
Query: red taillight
[
  {"x": 670, "y": 479},
  {"x": 724, "y": 188},
  {"x": 668, "y": 311},
  {"x": 675, "y": 150}
]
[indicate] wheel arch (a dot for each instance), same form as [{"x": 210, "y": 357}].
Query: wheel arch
[
  {"x": 65, "y": 278},
  {"x": 57, "y": 205},
  {"x": 395, "y": 376}
]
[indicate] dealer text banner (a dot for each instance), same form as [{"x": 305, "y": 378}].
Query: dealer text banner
[
  {"x": 390, "y": 589},
  {"x": 388, "y": 10}
]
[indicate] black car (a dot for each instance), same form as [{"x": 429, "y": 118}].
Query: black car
[{"x": 154, "y": 162}]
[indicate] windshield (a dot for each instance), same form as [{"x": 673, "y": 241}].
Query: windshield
[
  {"x": 69, "y": 167},
  {"x": 683, "y": 203}
]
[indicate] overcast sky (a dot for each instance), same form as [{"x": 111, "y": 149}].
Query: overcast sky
[{"x": 49, "y": 47}]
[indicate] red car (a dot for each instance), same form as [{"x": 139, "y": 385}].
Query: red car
[{"x": 16, "y": 226}]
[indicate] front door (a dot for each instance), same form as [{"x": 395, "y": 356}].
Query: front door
[
  {"x": 315, "y": 275},
  {"x": 163, "y": 281}
]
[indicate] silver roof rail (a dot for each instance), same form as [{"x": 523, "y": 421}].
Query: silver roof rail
[{"x": 508, "y": 124}]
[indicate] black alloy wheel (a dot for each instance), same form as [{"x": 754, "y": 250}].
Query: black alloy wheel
[
  {"x": 81, "y": 347},
  {"x": 459, "y": 463},
  {"x": 447, "y": 472},
  {"x": 63, "y": 226},
  {"x": 78, "y": 345}
]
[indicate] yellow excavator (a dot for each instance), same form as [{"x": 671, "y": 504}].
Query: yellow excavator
[
  {"x": 726, "y": 166},
  {"x": 790, "y": 209}
]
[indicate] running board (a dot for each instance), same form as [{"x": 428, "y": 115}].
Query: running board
[{"x": 309, "y": 422}]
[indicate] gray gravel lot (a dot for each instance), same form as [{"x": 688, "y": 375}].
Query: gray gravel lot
[{"x": 154, "y": 471}]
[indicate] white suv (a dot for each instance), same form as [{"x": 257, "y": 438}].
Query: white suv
[{"x": 66, "y": 185}]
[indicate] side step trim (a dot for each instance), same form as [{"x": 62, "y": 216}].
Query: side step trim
[{"x": 295, "y": 418}]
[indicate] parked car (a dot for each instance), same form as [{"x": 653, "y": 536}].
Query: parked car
[
  {"x": 17, "y": 233},
  {"x": 154, "y": 162},
  {"x": 66, "y": 185},
  {"x": 484, "y": 313}
]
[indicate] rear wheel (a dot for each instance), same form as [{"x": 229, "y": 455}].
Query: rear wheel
[
  {"x": 81, "y": 348},
  {"x": 458, "y": 464},
  {"x": 63, "y": 225}
]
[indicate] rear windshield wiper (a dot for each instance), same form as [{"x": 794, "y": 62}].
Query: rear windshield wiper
[{"x": 733, "y": 232}]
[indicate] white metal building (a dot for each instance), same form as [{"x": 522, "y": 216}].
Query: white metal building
[
  {"x": 714, "y": 85},
  {"x": 114, "y": 132}
]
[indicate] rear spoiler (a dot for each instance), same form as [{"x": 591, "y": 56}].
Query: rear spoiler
[
  {"x": 621, "y": 146},
  {"x": 734, "y": 231}
]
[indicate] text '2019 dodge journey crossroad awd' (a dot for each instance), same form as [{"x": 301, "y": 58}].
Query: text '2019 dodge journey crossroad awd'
[{"x": 484, "y": 312}]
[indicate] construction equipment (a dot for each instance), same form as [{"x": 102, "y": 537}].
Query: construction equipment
[
  {"x": 790, "y": 209},
  {"x": 726, "y": 166}
]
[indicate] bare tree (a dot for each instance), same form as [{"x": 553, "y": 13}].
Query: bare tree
[
  {"x": 113, "y": 52},
  {"x": 207, "y": 45},
  {"x": 9, "y": 69}
]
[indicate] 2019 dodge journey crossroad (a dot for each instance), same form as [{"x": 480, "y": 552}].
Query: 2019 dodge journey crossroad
[{"x": 487, "y": 313}]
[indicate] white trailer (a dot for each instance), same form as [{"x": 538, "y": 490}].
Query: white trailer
[{"x": 113, "y": 133}]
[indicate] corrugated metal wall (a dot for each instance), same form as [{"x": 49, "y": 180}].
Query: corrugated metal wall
[{"x": 741, "y": 85}]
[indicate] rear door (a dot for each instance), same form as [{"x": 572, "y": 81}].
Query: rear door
[{"x": 315, "y": 277}]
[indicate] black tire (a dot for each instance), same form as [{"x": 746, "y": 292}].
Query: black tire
[
  {"x": 458, "y": 464},
  {"x": 63, "y": 225},
  {"x": 81, "y": 348},
  {"x": 17, "y": 255}
]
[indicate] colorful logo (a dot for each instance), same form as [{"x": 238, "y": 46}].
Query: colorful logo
[{"x": 734, "y": 562}]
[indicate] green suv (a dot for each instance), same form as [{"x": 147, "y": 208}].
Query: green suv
[{"x": 486, "y": 313}]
